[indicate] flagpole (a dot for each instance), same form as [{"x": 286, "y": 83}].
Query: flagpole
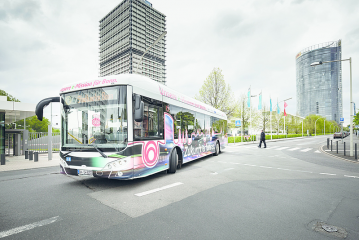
[{"x": 270, "y": 118}]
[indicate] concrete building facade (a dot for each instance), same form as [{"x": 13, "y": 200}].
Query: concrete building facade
[
  {"x": 319, "y": 88},
  {"x": 125, "y": 34}
]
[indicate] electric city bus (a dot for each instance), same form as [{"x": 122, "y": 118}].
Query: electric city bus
[{"x": 128, "y": 126}]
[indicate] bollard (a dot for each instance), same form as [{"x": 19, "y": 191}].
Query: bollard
[
  {"x": 26, "y": 154},
  {"x": 344, "y": 148},
  {"x": 3, "y": 159},
  {"x": 30, "y": 155},
  {"x": 337, "y": 147},
  {"x": 331, "y": 145},
  {"x": 36, "y": 156},
  {"x": 356, "y": 155},
  {"x": 327, "y": 143}
]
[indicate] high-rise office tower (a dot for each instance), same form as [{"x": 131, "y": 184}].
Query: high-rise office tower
[
  {"x": 319, "y": 88},
  {"x": 125, "y": 34}
]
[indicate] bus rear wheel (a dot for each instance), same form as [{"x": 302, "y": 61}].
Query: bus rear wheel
[
  {"x": 216, "y": 150},
  {"x": 173, "y": 162}
]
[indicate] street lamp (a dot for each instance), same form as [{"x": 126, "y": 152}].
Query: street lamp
[
  {"x": 351, "y": 101},
  {"x": 250, "y": 112},
  {"x": 153, "y": 44}
]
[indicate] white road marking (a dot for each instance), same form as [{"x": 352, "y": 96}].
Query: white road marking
[
  {"x": 282, "y": 148},
  {"x": 317, "y": 151},
  {"x": 306, "y": 150},
  {"x": 272, "y": 147},
  {"x": 158, "y": 189},
  {"x": 228, "y": 169},
  {"x": 351, "y": 176},
  {"x": 215, "y": 173},
  {"x": 284, "y": 169},
  {"x": 292, "y": 149},
  {"x": 246, "y": 164},
  {"x": 28, "y": 227},
  {"x": 264, "y": 167},
  {"x": 331, "y": 174}
]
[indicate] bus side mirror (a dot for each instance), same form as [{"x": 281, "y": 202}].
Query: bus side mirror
[
  {"x": 139, "y": 105},
  {"x": 39, "y": 110}
]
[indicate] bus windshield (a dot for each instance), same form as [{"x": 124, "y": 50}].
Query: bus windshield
[{"x": 95, "y": 117}]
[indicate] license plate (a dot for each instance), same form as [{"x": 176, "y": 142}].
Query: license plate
[{"x": 82, "y": 172}]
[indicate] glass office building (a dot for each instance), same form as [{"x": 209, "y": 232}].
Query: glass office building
[
  {"x": 125, "y": 34},
  {"x": 319, "y": 88}
]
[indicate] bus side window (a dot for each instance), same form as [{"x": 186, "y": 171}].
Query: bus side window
[
  {"x": 152, "y": 125},
  {"x": 188, "y": 121},
  {"x": 176, "y": 115}
]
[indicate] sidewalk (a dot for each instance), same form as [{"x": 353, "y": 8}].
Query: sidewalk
[
  {"x": 20, "y": 163},
  {"x": 333, "y": 152},
  {"x": 268, "y": 140}
]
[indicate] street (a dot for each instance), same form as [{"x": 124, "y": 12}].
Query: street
[{"x": 287, "y": 191}]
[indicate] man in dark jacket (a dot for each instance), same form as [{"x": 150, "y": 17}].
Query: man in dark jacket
[{"x": 263, "y": 139}]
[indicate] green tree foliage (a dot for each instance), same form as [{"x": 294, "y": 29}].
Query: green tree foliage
[
  {"x": 36, "y": 125},
  {"x": 356, "y": 119},
  {"x": 216, "y": 93},
  {"x": 9, "y": 97}
]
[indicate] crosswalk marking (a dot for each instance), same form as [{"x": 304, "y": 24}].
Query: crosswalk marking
[
  {"x": 306, "y": 150},
  {"x": 292, "y": 149},
  {"x": 282, "y": 148},
  {"x": 317, "y": 151}
]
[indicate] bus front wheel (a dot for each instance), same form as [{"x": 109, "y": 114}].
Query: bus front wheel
[
  {"x": 173, "y": 161},
  {"x": 216, "y": 150}
]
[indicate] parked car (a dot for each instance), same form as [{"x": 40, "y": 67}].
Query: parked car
[{"x": 338, "y": 135}]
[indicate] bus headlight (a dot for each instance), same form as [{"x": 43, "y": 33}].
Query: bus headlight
[{"x": 117, "y": 164}]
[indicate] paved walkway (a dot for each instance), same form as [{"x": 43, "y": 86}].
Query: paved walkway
[
  {"x": 19, "y": 162},
  {"x": 332, "y": 151}
]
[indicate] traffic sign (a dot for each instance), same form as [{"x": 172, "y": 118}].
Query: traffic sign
[
  {"x": 341, "y": 120},
  {"x": 238, "y": 123}
]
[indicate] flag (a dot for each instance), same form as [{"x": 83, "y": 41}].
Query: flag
[
  {"x": 260, "y": 102},
  {"x": 270, "y": 105},
  {"x": 285, "y": 105},
  {"x": 278, "y": 109},
  {"x": 249, "y": 98}
]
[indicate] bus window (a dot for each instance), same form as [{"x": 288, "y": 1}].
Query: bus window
[
  {"x": 152, "y": 125},
  {"x": 188, "y": 120},
  {"x": 199, "y": 122},
  {"x": 176, "y": 115}
]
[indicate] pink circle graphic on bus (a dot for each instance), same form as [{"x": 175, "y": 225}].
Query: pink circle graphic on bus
[
  {"x": 150, "y": 154},
  {"x": 96, "y": 122}
]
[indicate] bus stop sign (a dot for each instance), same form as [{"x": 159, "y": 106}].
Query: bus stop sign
[
  {"x": 238, "y": 123},
  {"x": 341, "y": 120}
]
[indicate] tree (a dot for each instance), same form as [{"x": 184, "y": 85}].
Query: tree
[
  {"x": 216, "y": 93},
  {"x": 356, "y": 119},
  {"x": 262, "y": 118},
  {"x": 9, "y": 97}
]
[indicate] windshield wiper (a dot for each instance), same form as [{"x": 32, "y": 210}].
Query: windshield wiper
[{"x": 98, "y": 150}]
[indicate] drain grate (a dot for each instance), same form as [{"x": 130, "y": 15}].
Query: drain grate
[{"x": 329, "y": 228}]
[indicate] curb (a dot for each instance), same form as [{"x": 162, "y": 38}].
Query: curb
[
  {"x": 334, "y": 156},
  {"x": 269, "y": 140}
]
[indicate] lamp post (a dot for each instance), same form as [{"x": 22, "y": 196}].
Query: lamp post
[
  {"x": 153, "y": 44},
  {"x": 351, "y": 101},
  {"x": 250, "y": 113}
]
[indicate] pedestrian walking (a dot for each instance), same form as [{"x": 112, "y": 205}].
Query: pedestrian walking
[{"x": 263, "y": 139}]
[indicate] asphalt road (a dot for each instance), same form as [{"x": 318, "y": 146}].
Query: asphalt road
[{"x": 289, "y": 190}]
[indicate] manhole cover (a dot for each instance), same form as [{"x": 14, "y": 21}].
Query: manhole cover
[{"x": 329, "y": 228}]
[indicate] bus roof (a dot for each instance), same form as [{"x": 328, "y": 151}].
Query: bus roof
[{"x": 145, "y": 83}]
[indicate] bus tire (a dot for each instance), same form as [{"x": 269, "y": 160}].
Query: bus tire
[
  {"x": 216, "y": 149},
  {"x": 173, "y": 161}
]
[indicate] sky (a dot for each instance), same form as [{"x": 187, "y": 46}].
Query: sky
[{"x": 45, "y": 45}]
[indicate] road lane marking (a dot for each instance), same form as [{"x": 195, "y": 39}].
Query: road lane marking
[
  {"x": 282, "y": 148},
  {"x": 351, "y": 176},
  {"x": 306, "y": 150},
  {"x": 158, "y": 189},
  {"x": 265, "y": 167},
  {"x": 292, "y": 149},
  {"x": 317, "y": 151},
  {"x": 330, "y": 174},
  {"x": 28, "y": 227},
  {"x": 228, "y": 169}
]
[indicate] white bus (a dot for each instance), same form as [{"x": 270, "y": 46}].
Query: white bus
[{"x": 128, "y": 126}]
